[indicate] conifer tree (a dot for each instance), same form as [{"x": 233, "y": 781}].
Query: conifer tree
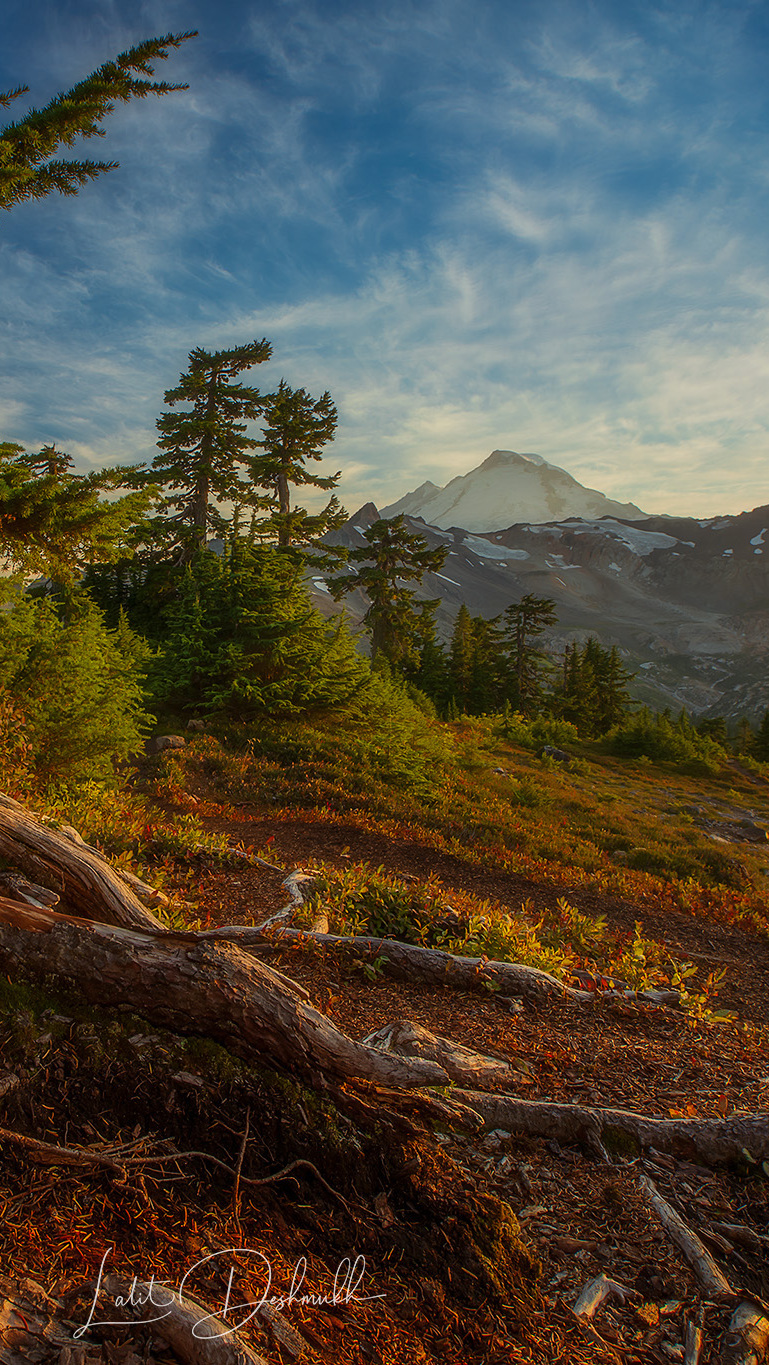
[
  {"x": 27, "y": 167},
  {"x": 525, "y": 620},
  {"x": 462, "y": 659},
  {"x": 54, "y": 521},
  {"x": 391, "y": 559},
  {"x": 242, "y": 636},
  {"x": 760, "y": 745},
  {"x": 204, "y": 448},
  {"x": 296, "y": 427}
]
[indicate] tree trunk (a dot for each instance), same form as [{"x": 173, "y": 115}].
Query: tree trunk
[
  {"x": 80, "y": 875},
  {"x": 193, "y": 987}
]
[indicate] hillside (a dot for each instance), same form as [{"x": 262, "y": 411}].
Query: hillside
[
  {"x": 609, "y": 873},
  {"x": 685, "y": 600}
]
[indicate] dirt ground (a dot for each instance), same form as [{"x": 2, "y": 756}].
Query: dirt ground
[
  {"x": 579, "y": 1217},
  {"x": 582, "y": 1219}
]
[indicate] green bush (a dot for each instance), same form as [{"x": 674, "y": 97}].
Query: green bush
[
  {"x": 661, "y": 739},
  {"x": 71, "y": 685}
]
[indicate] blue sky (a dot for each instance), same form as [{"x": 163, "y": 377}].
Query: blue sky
[{"x": 478, "y": 223}]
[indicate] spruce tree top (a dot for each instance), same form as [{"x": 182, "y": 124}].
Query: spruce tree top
[
  {"x": 27, "y": 170},
  {"x": 204, "y": 448}
]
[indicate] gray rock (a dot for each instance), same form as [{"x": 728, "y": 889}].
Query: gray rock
[{"x": 158, "y": 743}]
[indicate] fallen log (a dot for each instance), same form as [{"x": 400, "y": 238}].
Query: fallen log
[
  {"x": 711, "y": 1141},
  {"x": 192, "y": 987},
  {"x": 195, "y": 1334},
  {"x": 433, "y": 967},
  {"x": 83, "y": 878}
]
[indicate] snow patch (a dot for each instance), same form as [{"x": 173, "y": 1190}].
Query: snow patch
[
  {"x": 486, "y": 549},
  {"x": 642, "y": 542},
  {"x": 759, "y": 539},
  {"x": 448, "y": 580},
  {"x": 727, "y": 552}
]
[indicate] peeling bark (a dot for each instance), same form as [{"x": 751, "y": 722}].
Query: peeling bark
[{"x": 81, "y": 876}]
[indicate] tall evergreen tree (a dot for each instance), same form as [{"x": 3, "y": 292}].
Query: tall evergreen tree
[
  {"x": 27, "y": 167},
  {"x": 296, "y": 427},
  {"x": 594, "y": 695},
  {"x": 525, "y": 621},
  {"x": 391, "y": 559},
  {"x": 759, "y": 747},
  {"x": 205, "y": 450}
]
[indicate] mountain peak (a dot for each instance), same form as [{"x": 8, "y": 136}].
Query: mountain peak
[{"x": 509, "y": 489}]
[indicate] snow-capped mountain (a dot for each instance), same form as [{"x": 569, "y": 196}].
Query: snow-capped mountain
[{"x": 507, "y": 489}]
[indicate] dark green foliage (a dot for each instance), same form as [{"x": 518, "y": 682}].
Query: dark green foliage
[
  {"x": 525, "y": 621},
  {"x": 713, "y": 727},
  {"x": 760, "y": 747},
  {"x": 392, "y": 558},
  {"x": 296, "y": 427},
  {"x": 75, "y": 685},
  {"x": 594, "y": 693},
  {"x": 242, "y": 637},
  {"x": 478, "y": 664},
  {"x": 27, "y": 170},
  {"x": 659, "y": 737},
  {"x": 205, "y": 449},
  {"x": 53, "y": 521}
]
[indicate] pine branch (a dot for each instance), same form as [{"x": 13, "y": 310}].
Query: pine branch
[{"x": 30, "y": 142}]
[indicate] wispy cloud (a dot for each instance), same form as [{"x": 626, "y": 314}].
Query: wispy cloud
[{"x": 541, "y": 230}]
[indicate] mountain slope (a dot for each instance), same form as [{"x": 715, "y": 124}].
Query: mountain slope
[
  {"x": 686, "y": 601},
  {"x": 508, "y": 488}
]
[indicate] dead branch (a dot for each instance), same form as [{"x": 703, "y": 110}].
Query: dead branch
[
  {"x": 599, "y": 1289},
  {"x": 708, "y": 1273},
  {"x": 712, "y": 1142},
  {"x": 695, "y": 1339}
]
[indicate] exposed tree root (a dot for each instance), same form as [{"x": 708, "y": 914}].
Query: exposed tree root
[{"x": 711, "y": 1141}]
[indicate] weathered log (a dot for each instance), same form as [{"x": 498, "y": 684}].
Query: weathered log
[
  {"x": 710, "y": 1276},
  {"x": 85, "y": 880},
  {"x": 712, "y": 1141},
  {"x": 196, "y": 1334},
  {"x": 433, "y": 967},
  {"x": 460, "y": 1063},
  {"x": 30, "y": 1326},
  {"x": 192, "y": 987}
]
